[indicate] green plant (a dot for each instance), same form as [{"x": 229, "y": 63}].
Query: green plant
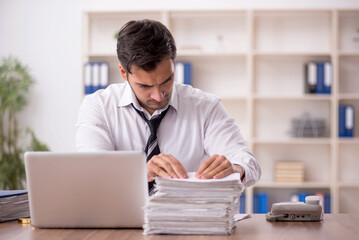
[{"x": 15, "y": 82}]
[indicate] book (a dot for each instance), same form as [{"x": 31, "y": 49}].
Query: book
[
  {"x": 289, "y": 171},
  {"x": 14, "y": 204}
]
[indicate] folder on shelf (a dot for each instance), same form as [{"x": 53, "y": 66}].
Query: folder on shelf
[
  {"x": 88, "y": 78},
  {"x": 96, "y": 76},
  {"x": 328, "y": 77},
  {"x": 104, "y": 71},
  {"x": 324, "y": 78},
  {"x": 318, "y": 77},
  {"x": 327, "y": 203},
  {"x": 346, "y": 121},
  {"x": 260, "y": 202},
  {"x": 242, "y": 203},
  {"x": 310, "y": 77},
  {"x": 183, "y": 72}
]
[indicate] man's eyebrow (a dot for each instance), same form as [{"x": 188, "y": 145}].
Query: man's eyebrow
[
  {"x": 168, "y": 79},
  {"x": 164, "y": 82}
]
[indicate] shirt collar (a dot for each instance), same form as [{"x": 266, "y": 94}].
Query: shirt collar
[{"x": 129, "y": 97}]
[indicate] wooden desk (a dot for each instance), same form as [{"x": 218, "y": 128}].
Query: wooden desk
[{"x": 334, "y": 226}]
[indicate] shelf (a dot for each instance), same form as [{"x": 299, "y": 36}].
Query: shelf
[
  {"x": 348, "y": 96},
  {"x": 348, "y": 184},
  {"x": 290, "y": 54},
  {"x": 348, "y": 140},
  {"x": 101, "y": 54},
  {"x": 254, "y": 61},
  {"x": 349, "y": 53},
  {"x": 295, "y": 31},
  {"x": 234, "y": 98},
  {"x": 210, "y": 31},
  {"x": 271, "y": 184},
  {"x": 306, "y": 97},
  {"x": 348, "y": 38},
  {"x": 301, "y": 141},
  {"x": 200, "y": 53}
]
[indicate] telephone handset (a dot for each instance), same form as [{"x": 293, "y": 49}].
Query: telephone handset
[{"x": 309, "y": 211}]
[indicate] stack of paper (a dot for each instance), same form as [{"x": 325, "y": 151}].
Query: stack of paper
[
  {"x": 289, "y": 171},
  {"x": 193, "y": 206},
  {"x": 13, "y": 205}
]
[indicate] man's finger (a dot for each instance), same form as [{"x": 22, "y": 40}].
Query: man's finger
[
  {"x": 154, "y": 170},
  {"x": 205, "y": 165},
  {"x": 162, "y": 173},
  {"x": 224, "y": 173},
  {"x": 178, "y": 167},
  {"x": 220, "y": 165},
  {"x": 215, "y": 164},
  {"x": 165, "y": 163}
]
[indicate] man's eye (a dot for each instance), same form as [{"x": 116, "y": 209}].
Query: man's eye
[{"x": 144, "y": 86}]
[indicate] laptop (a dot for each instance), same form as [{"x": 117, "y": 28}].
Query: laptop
[{"x": 87, "y": 190}]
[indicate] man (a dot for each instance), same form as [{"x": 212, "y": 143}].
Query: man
[{"x": 181, "y": 129}]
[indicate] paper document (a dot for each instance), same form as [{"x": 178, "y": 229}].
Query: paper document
[{"x": 193, "y": 206}]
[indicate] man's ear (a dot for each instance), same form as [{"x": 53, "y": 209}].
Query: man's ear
[{"x": 123, "y": 72}]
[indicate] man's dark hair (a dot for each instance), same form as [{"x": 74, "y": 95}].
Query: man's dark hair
[{"x": 144, "y": 43}]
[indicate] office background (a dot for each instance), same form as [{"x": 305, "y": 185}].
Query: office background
[{"x": 48, "y": 36}]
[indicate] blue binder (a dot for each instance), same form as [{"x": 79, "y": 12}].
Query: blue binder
[
  {"x": 346, "y": 121},
  {"x": 260, "y": 203},
  {"x": 327, "y": 203},
  {"x": 183, "y": 73},
  {"x": 96, "y": 76},
  {"x": 324, "y": 78},
  {"x": 302, "y": 196},
  {"x": 242, "y": 204}
]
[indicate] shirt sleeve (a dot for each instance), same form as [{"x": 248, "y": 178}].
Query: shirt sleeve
[
  {"x": 92, "y": 131},
  {"x": 223, "y": 137}
]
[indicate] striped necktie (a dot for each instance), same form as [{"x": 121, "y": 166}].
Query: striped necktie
[{"x": 152, "y": 147}]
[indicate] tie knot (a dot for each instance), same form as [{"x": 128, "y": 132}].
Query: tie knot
[{"x": 153, "y": 123}]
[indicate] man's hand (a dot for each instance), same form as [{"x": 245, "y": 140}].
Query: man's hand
[
  {"x": 218, "y": 166},
  {"x": 166, "y": 166}
]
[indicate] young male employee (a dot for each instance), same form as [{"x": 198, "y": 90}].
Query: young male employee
[{"x": 181, "y": 128}]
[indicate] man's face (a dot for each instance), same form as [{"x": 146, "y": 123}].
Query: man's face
[{"x": 152, "y": 89}]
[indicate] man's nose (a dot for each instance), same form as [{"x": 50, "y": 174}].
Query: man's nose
[{"x": 157, "y": 94}]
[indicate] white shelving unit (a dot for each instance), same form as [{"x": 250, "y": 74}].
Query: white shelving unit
[{"x": 254, "y": 61}]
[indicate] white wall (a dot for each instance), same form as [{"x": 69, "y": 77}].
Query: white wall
[{"x": 46, "y": 36}]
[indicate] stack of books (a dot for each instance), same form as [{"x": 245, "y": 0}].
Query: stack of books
[
  {"x": 13, "y": 205},
  {"x": 289, "y": 171},
  {"x": 193, "y": 206}
]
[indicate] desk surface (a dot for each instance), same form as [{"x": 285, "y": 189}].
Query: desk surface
[{"x": 334, "y": 226}]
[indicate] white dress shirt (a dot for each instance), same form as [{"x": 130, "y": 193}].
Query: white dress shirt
[{"x": 195, "y": 127}]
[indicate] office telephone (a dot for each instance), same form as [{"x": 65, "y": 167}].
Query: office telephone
[{"x": 309, "y": 211}]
